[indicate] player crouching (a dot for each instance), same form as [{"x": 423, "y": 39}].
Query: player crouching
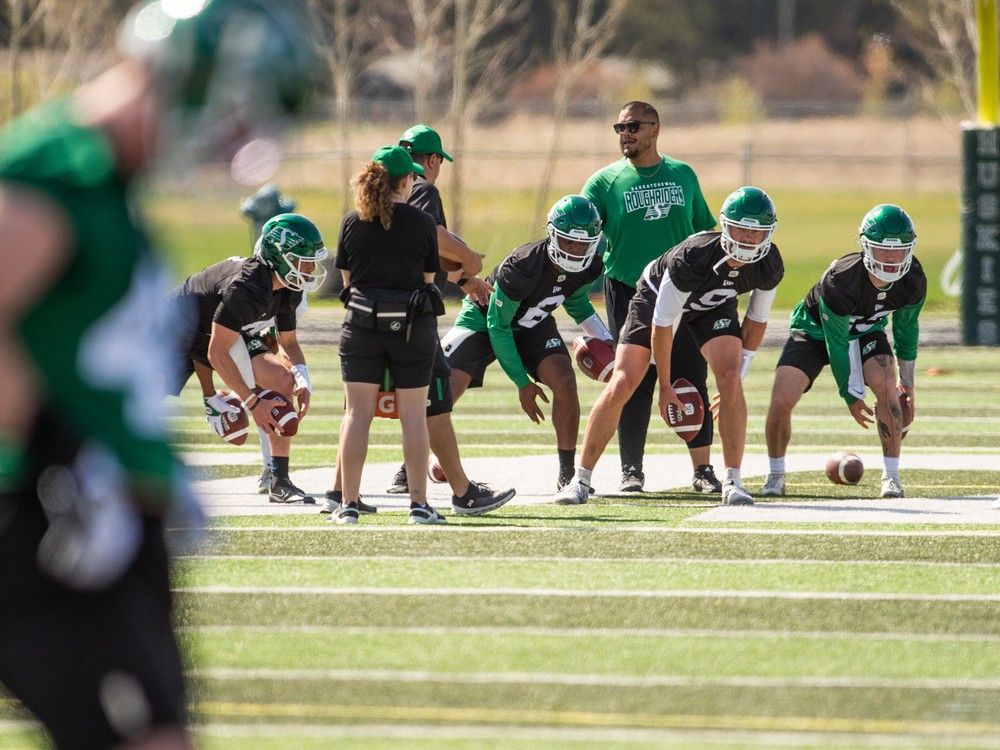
[
  {"x": 227, "y": 305},
  {"x": 698, "y": 281},
  {"x": 516, "y": 326}
]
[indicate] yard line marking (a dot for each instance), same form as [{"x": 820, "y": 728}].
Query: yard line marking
[
  {"x": 576, "y": 559},
  {"x": 594, "y": 679},
  {"x": 368, "y": 711},
  {"x": 574, "y": 632},
  {"x": 584, "y": 593}
]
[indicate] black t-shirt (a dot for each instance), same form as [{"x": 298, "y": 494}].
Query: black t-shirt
[
  {"x": 694, "y": 267},
  {"x": 394, "y": 258},
  {"x": 847, "y": 290},
  {"x": 530, "y": 277},
  {"x": 427, "y": 197}
]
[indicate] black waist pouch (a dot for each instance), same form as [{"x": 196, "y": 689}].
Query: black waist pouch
[{"x": 390, "y": 310}]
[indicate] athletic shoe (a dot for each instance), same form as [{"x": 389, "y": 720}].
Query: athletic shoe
[
  {"x": 565, "y": 479},
  {"x": 264, "y": 483},
  {"x": 632, "y": 480},
  {"x": 574, "y": 493},
  {"x": 892, "y": 487},
  {"x": 733, "y": 494},
  {"x": 705, "y": 481},
  {"x": 479, "y": 499},
  {"x": 344, "y": 514},
  {"x": 425, "y": 514},
  {"x": 774, "y": 486},
  {"x": 283, "y": 491},
  {"x": 399, "y": 484},
  {"x": 334, "y": 499}
]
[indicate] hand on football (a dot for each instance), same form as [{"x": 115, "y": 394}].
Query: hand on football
[
  {"x": 668, "y": 396},
  {"x": 527, "y": 395},
  {"x": 477, "y": 290},
  {"x": 262, "y": 416},
  {"x": 861, "y": 413},
  {"x": 302, "y": 397},
  {"x": 215, "y": 407}
]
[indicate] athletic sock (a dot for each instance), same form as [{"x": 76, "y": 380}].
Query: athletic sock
[
  {"x": 279, "y": 465},
  {"x": 733, "y": 475},
  {"x": 891, "y": 467},
  {"x": 777, "y": 464},
  {"x": 566, "y": 460},
  {"x": 583, "y": 475}
]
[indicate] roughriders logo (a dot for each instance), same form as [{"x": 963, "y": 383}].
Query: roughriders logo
[
  {"x": 655, "y": 199},
  {"x": 284, "y": 239}
]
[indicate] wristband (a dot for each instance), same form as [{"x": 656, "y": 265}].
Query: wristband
[
  {"x": 594, "y": 327},
  {"x": 301, "y": 375},
  {"x": 248, "y": 405},
  {"x": 462, "y": 282},
  {"x": 745, "y": 363}
]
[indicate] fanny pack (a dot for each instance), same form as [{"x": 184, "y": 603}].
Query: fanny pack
[{"x": 390, "y": 310}]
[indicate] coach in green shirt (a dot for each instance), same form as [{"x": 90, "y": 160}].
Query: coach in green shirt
[{"x": 649, "y": 203}]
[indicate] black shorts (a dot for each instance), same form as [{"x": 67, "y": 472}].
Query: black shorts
[
  {"x": 63, "y": 650},
  {"x": 196, "y": 350},
  {"x": 703, "y": 326},
  {"x": 365, "y": 354},
  {"x": 810, "y": 356},
  {"x": 472, "y": 351}
]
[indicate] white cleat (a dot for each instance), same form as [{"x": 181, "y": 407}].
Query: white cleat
[
  {"x": 774, "y": 486},
  {"x": 574, "y": 493},
  {"x": 891, "y": 487},
  {"x": 733, "y": 494}
]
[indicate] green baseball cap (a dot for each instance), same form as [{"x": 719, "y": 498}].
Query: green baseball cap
[
  {"x": 423, "y": 139},
  {"x": 397, "y": 161}
]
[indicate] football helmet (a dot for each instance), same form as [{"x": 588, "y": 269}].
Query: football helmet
[
  {"x": 285, "y": 243},
  {"x": 887, "y": 228},
  {"x": 747, "y": 208},
  {"x": 574, "y": 218}
]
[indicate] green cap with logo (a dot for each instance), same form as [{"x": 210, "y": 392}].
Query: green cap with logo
[
  {"x": 423, "y": 139},
  {"x": 397, "y": 161}
]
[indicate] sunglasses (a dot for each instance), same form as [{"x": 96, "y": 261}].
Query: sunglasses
[{"x": 631, "y": 126}]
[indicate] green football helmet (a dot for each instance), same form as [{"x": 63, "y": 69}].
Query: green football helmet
[
  {"x": 288, "y": 241},
  {"x": 574, "y": 218},
  {"x": 747, "y": 208},
  {"x": 887, "y": 228},
  {"x": 228, "y": 70}
]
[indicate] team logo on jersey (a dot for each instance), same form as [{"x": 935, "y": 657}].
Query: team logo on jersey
[
  {"x": 560, "y": 278},
  {"x": 499, "y": 302},
  {"x": 880, "y": 295},
  {"x": 556, "y": 289},
  {"x": 733, "y": 274},
  {"x": 869, "y": 347},
  {"x": 721, "y": 324},
  {"x": 655, "y": 199},
  {"x": 553, "y": 343},
  {"x": 727, "y": 282},
  {"x": 395, "y": 325},
  {"x": 284, "y": 239}
]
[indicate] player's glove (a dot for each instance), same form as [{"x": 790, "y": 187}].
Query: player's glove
[
  {"x": 94, "y": 529},
  {"x": 215, "y": 407}
]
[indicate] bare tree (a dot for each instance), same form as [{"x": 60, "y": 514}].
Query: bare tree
[
  {"x": 24, "y": 16},
  {"x": 483, "y": 62},
  {"x": 77, "y": 39},
  {"x": 945, "y": 31},
  {"x": 583, "y": 30},
  {"x": 429, "y": 49}
]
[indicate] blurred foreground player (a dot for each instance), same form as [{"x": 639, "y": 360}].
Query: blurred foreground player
[{"x": 87, "y": 479}]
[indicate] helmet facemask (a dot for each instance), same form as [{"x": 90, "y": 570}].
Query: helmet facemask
[
  {"x": 284, "y": 250},
  {"x": 887, "y": 228},
  {"x": 880, "y": 269},
  {"x": 571, "y": 261},
  {"x": 575, "y": 219},
  {"x": 745, "y": 252}
]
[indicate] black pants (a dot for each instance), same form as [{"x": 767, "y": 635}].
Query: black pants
[{"x": 686, "y": 361}]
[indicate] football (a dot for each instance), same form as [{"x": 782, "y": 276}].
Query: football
[
  {"x": 283, "y": 412},
  {"x": 235, "y": 425},
  {"x": 688, "y": 422},
  {"x": 906, "y": 403},
  {"x": 448, "y": 265},
  {"x": 844, "y": 467},
  {"x": 595, "y": 357},
  {"x": 435, "y": 472}
]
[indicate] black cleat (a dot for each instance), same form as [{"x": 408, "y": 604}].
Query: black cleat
[
  {"x": 283, "y": 491},
  {"x": 399, "y": 484},
  {"x": 632, "y": 479},
  {"x": 479, "y": 499},
  {"x": 705, "y": 481}
]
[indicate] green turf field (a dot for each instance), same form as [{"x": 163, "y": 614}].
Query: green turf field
[{"x": 625, "y": 623}]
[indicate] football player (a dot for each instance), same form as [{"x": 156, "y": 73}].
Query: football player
[
  {"x": 697, "y": 281},
  {"x": 841, "y": 323},
  {"x": 516, "y": 325},
  {"x": 232, "y": 303},
  {"x": 88, "y": 481}
]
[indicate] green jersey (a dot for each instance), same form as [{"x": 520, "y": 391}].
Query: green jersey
[
  {"x": 646, "y": 211},
  {"x": 94, "y": 337},
  {"x": 844, "y": 305}
]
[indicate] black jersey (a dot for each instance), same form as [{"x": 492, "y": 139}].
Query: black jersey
[
  {"x": 846, "y": 289},
  {"x": 393, "y": 258},
  {"x": 697, "y": 266},
  {"x": 427, "y": 197},
  {"x": 236, "y": 293},
  {"x": 528, "y": 276}
]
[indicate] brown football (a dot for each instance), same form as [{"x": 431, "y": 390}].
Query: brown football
[
  {"x": 844, "y": 467},
  {"x": 435, "y": 472},
  {"x": 448, "y": 265},
  {"x": 283, "y": 411},
  {"x": 686, "y": 423},
  {"x": 235, "y": 428},
  {"x": 595, "y": 357}
]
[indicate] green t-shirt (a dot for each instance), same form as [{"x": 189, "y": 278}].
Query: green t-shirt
[
  {"x": 96, "y": 337},
  {"x": 646, "y": 211}
]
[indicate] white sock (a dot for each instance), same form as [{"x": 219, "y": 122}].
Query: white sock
[
  {"x": 891, "y": 467},
  {"x": 583, "y": 475},
  {"x": 777, "y": 464},
  {"x": 733, "y": 475},
  {"x": 265, "y": 447}
]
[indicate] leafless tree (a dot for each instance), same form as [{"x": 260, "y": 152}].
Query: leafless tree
[
  {"x": 583, "y": 29},
  {"x": 430, "y": 47},
  {"x": 945, "y": 31},
  {"x": 24, "y": 16}
]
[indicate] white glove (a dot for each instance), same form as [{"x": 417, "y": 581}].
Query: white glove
[
  {"x": 215, "y": 407},
  {"x": 95, "y": 529}
]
